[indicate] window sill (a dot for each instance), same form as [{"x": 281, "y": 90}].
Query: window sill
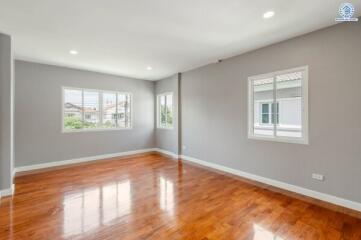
[
  {"x": 94, "y": 130},
  {"x": 165, "y": 128},
  {"x": 302, "y": 141}
]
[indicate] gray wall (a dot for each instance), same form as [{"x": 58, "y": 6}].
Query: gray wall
[
  {"x": 38, "y": 114},
  {"x": 167, "y": 139},
  {"x": 6, "y": 112},
  {"x": 214, "y": 112}
]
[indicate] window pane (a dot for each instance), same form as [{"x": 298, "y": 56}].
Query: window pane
[
  {"x": 265, "y": 108},
  {"x": 265, "y": 118},
  {"x": 124, "y": 110},
  {"x": 262, "y": 92},
  {"x": 169, "y": 108},
  {"x": 275, "y": 113},
  {"x": 162, "y": 111},
  {"x": 289, "y": 97},
  {"x": 73, "y": 109},
  {"x": 91, "y": 109},
  {"x": 109, "y": 110},
  {"x": 128, "y": 111}
]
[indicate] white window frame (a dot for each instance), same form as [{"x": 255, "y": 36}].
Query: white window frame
[
  {"x": 99, "y": 128},
  {"x": 304, "y": 107},
  {"x": 158, "y": 110}
]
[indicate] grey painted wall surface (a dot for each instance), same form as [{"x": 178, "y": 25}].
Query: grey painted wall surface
[
  {"x": 38, "y": 115},
  {"x": 214, "y": 112},
  {"x": 167, "y": 139},
  {"x": 6, "y": 112}
]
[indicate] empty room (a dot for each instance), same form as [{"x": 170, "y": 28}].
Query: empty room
[{"x": 180, "y": 120}]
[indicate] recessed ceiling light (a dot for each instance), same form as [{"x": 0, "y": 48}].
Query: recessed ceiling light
[
  {"x": 73, "y": 52},
  {"x": 268, "y": 14},
  {"x": 149, "y": 68}
]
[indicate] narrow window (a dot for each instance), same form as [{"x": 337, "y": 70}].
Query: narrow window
[
  {"x": 109, "y": 110},
  {"x": 165, "y": 110},
  {"x": 73, "y": 109},
  {"x": 91, "y": 109},
  {"x": 123, "y": 110}
]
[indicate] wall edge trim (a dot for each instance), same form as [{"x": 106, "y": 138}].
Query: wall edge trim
[
  {"x": 168, "y": 153},
  {"x": 279, "y": 184},
  {"x": 80, "y": 160},
  {"x": 7, "y": 192}
]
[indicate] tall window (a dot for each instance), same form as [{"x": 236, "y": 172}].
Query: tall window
[
  {"x": 165, "y": 110},
  {"x": 278, "y": 106},
  {"x": 94, "y": 109},
  {"x": 91, "y": 109}
]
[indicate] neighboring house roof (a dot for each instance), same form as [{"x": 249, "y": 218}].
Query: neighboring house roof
[
  {"x": 92, "y": 109},
  {"x": 280, "y": 78},
  {"x": 284, "y": 81}
]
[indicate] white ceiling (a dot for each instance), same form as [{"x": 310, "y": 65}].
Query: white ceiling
[{"x": 123, "y": 37}]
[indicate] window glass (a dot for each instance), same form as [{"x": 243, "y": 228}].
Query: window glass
[
  {"x": 289, "y": 94},
  {"x": 275, "y": 113},
  {"x": 165, "y": 110},
  {"x": 278, "y": 106},
  {"x": 91, "y": 109},
  {"x": 73, "y": 109},
  {"x": 96, "y": 109},
  {"x": 123, "y": 117},
  {"x": 265, "y": 113},
  {"x": 109, "y": 110},
  {"x": 169, "y": 110},
  {"x": 262, "y": 92}
]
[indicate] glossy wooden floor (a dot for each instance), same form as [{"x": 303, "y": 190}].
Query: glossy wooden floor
[{"x": 153, "y": 197}]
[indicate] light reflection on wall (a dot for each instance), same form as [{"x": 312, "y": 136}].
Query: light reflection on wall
[
  {"x": 262, "y": 234},
  {"x": 166, "y": 196},
  {"x": 90, "y": 208}
]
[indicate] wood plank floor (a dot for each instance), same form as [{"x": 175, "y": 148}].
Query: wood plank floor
[{"x": 153, "y": 197}]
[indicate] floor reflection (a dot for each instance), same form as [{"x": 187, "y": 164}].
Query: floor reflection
[
  {"x": 262, "y": 234},
  {"x": 86, "y": 210},
  {"x": 166, "y": 196},
  {"x": 116, "y": 201}
]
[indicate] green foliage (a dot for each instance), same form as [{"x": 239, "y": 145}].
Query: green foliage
[
  {"x": 89, "y": 125},
  {"x": 108, "y": 124},
  {"x": 71, "y": 122},
  {"x": 169, "y": 118},
  {"x": 166, "y": 116}
]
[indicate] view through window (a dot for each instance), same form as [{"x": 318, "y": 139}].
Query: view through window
[
  {"x": 95, "y": 109},
  {"x": 278, "y": 104},
  {"x": 165, "y": 110}
]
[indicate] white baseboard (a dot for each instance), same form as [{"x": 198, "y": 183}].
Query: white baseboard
[
  {"x": 171, "y": 154},
  {"x": 81, "y": 160},
  {"x": 304, "y": 191},
  {"x": 7, "y": 192}
]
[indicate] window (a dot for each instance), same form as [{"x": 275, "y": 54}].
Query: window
[
  {"x": 91, "y": 109},
  {"x": 278, "y": 106},
  {"x": 73, "y": 113},
  {"x": 123, "y": 110},
  {"x": 269, "y": 113},
  {"x": 165, "y": 110},
  {"x": 109, "y": 110},
  {"x": 94, "y": 109},
  {"x": 116, "y": 110}
]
